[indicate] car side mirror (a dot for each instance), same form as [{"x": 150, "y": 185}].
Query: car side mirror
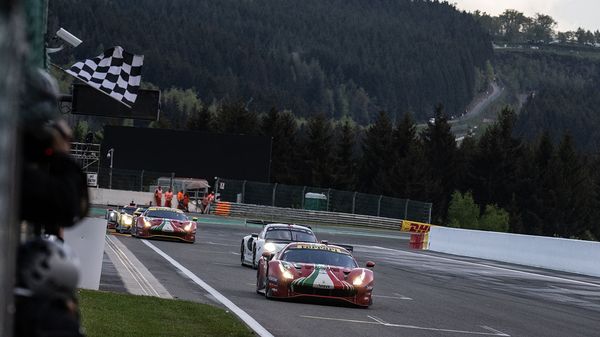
[
  {"x": 194, "y": 219},
  {"x": 370, "y": 264},
  {"x": 254, "y": 235}
]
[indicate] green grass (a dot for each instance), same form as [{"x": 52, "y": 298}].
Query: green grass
[{"x": 106, "y": 314}]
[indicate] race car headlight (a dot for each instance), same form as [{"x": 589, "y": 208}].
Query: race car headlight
[
  {"x": 270, "y": 247},
  {"x": 286, "y": 273},
  {"x": 147, "y": 223},
  {"x": 128, "y": 220},
  {"x": 359, "y": 279},
  {"x": 188, "y": 227}
]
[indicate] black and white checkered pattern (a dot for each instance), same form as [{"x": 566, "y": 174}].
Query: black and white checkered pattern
[{"x": 115, "y": 72}]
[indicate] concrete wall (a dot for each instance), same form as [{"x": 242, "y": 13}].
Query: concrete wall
[
  {"x": 104, "y": 196},
  {"x": 87, "y": 241},
  {"x": 582, "y": 257}
]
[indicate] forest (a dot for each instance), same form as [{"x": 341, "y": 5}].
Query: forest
[
  {"x": 556, "y": 74},
  {"x": 341, "y": 58},
  {"x": 344, "y": 112}
]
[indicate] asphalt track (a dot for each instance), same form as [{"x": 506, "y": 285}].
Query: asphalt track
[{"x": 417, "y": 293}]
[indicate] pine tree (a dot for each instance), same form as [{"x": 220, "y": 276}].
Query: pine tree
[
  {"x": 317, "y": 151},
  {"x": 440, "y": 152},
  {"x": 345, "y": 159},
  {"x": 375, "y": 163}
]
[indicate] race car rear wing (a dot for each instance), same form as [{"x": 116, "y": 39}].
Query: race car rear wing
[
  {"x": 266, "y": 222},
  {"x": 345, "y": 246}
]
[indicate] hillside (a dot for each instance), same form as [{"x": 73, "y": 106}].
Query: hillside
[
  {"x": 558, "y": 92},
  {"x": 338, "y": 57}
]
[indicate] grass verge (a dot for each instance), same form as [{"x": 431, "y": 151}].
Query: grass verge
[{"x": 121, "y": 315}]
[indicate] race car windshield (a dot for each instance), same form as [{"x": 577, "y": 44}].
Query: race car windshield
[
  {"x": 318, "y": 256},
  {"x": 166, "y": 215},
  {"x": 285, "y": 234},
  {"x": 129, "y": 210}
]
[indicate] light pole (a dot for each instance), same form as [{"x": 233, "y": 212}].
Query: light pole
[{"x": 110, "y": 155}]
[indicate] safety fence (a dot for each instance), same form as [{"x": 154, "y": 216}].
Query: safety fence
[
  {"x": 321, "y": 199},
  {"x": 279, "y": 195}
]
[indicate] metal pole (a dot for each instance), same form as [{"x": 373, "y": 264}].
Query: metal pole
[
  {"x": 354, "y": 202},
  {"x": 273, "y": 198},
  {"x": 379, "y": 205},
  {"x": 243, "y": 191},
  {"x": 328, "y": 196},
  {"x": 406, "y": 209},
  {"x": 171, "y": 181},
  {"x": 10, "y": 81},
  {"x": 303, "y": 194},
  {"x": 429, "y": 217},
  {"x": 111, "y": 155},
  {"x": 142, "y": 182}
]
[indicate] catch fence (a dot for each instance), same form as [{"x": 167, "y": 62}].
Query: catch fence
[{"x": 321, "y": 199}]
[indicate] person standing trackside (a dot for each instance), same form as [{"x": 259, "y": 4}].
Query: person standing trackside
[
  {"x": 186, "y": 201},
  {"x": 180, "y": 199},
  {"x": 210, "y": 199},
  {"x": 158, "y": 196},
  {"x": 168, "y": 197}
]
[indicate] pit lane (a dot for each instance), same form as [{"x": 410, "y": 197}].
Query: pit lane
[{"x": 416, "y": 293}]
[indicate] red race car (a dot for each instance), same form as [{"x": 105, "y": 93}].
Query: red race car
[
  {"x": 165, "y": 222},
  {"x": 315, "y": 270}
]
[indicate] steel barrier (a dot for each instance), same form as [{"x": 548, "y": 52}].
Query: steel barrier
[
  {"x": 320, "y": 199},
  {"x": 310, "y": 217}
]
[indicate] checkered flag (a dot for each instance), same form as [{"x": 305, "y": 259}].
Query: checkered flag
[{"x": 115, "y": 72}]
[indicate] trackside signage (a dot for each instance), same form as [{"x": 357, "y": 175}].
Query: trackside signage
[{"x": 415, "y": 227}]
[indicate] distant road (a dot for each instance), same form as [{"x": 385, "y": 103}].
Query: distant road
[
  {"x": 484, "y": 103},
  {"x": 474, "y": 111}
]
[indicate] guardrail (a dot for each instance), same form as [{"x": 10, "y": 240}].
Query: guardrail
[{"x": 304, "y": 216}]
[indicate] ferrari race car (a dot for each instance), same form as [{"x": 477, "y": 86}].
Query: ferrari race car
[
  {"x": 272, "y": 238},
  {"x": 315, "y": 270},
  {"x": 125, "y": 219},
  {"x": 165, "y": 222}
]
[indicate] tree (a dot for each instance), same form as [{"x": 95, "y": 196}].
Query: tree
[
  {"x": 375, "y": 162},
  {"x": 494, "y": 219},
  {"x": 495, "y": 161},
  {"x": 317, "y": 151},
  {"x": 542, "y": 28},
  {"x": 344, "y": 172},
  {"x": 462, "y": 211},
  {"x": 233, "y": 117},
  {"x": 512, "y": 23},
  {"x": 283, "y": 129},
  {"x": 200, "y": 119},
  {"x": 80, "y": 131},
  {"x": 407, "y": 178},
  {"x": 439, "y": 148}
]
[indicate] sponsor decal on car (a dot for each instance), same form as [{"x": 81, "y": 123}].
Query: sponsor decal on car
[{"x": 319, "y": 247}]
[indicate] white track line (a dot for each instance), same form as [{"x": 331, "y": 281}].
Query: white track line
[
  {"x": 556, "y": 278},
  {"x": 127, "y": 262},
  {"x": 251, "y": 322},
  {"x": 492, "y": 332}
]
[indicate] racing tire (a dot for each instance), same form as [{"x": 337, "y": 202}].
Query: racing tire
[
  {"x": 268, "y": 293},
  {"x": 257, "y": 285},
  {"x": 242, "y": 253}
]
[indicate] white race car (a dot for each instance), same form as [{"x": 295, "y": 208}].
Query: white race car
[{"x": 272, "y": 238}]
